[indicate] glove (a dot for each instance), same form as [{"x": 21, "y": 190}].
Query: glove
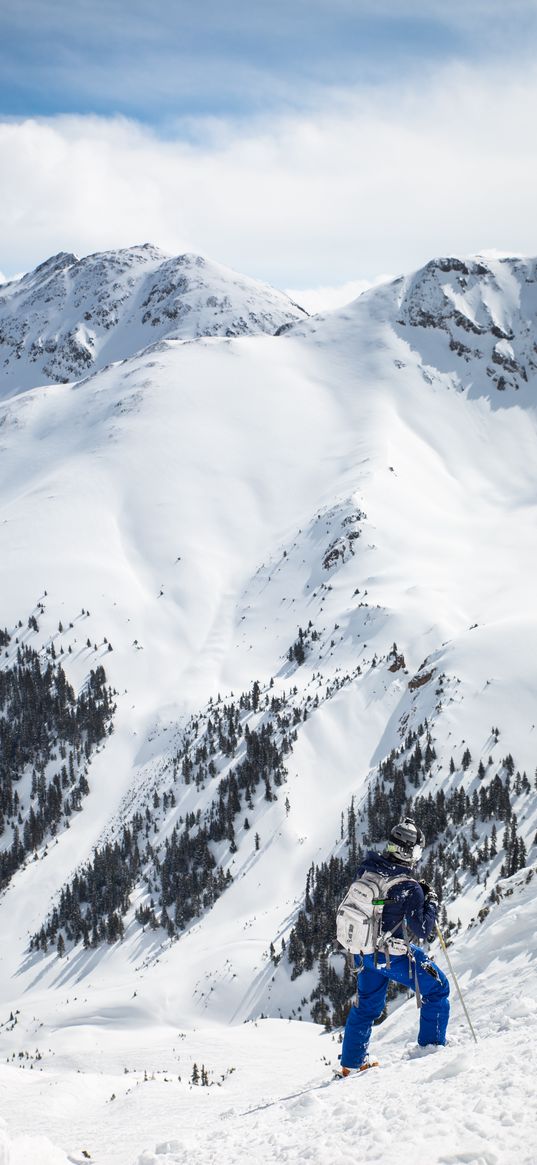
[{"x": 429, "y": 893}]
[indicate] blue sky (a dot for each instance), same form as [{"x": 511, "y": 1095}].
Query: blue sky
[
  {"x": 162, "y": 62},
  {"x": 307, "y": 142}
]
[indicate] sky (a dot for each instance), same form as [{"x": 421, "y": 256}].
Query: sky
[{"x": 310, "y": 143}]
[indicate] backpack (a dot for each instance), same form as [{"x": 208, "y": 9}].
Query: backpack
[{"x": 359, "y": 917}]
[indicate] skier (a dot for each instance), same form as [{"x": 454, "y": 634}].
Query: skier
[{"x": 409, "y": 911}]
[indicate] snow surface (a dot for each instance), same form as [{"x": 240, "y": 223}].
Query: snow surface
[
  {"x": 115, "y": 1083},
  {"x": 195, "y": 502}
]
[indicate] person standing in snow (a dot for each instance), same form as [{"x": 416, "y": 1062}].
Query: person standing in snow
[{"x": 408, "y": 913}]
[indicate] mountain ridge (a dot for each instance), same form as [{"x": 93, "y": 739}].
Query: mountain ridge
[
  {"x": 473, "y": 317},
  {"x": 70, "y": 316}
]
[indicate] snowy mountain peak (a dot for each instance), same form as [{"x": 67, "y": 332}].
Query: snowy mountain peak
[
  {"x": 482, "y": 312},
  {"x": 71, "y": 316},
  {"x": 469, "y": 322},
  {"x": 55, "y": 263},
  {"x": 476, "y": 294}
]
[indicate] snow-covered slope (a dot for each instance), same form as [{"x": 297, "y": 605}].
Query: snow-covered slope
[
  {"x": 71, "y": 315},
  {"x": 110, "y": 1080},
  {"x": 471, "y": 319},
  {"x": 280, "y": 509}
]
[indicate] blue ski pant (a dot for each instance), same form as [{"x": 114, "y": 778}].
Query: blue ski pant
[{"x": 372, "y": 986}]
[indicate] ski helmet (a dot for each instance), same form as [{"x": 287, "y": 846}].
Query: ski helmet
[{"x": 406, "y": 842}]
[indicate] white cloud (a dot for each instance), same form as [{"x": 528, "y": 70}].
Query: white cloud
[
  {"x": 321, "y": 299},
  {"x": 375, "y": 180}
]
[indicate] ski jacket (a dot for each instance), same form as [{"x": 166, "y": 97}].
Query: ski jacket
[{"x": 406, "y": 900}]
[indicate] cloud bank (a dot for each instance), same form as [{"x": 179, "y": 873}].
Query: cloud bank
[
  {"x": 321, "y": 299},
  {"x": 370, "y": 181}
]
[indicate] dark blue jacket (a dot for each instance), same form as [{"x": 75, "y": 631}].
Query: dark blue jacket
[{"x": 406, "y": 900}]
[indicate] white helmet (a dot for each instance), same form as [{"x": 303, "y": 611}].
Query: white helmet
[{"x": 406, "y": 842}]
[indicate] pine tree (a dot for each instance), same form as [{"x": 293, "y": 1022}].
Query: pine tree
[
  {"x": 522, "y": 855},
  {"x": 493, "y": 842}
]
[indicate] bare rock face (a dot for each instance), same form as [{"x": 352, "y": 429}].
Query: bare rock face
[{"x": 71, "y": 316}]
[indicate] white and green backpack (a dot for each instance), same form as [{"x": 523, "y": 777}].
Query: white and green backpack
[{"x": 359, "y": 917}]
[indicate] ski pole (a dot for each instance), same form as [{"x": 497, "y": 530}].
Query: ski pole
[{"x": 455, "y": 980}]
